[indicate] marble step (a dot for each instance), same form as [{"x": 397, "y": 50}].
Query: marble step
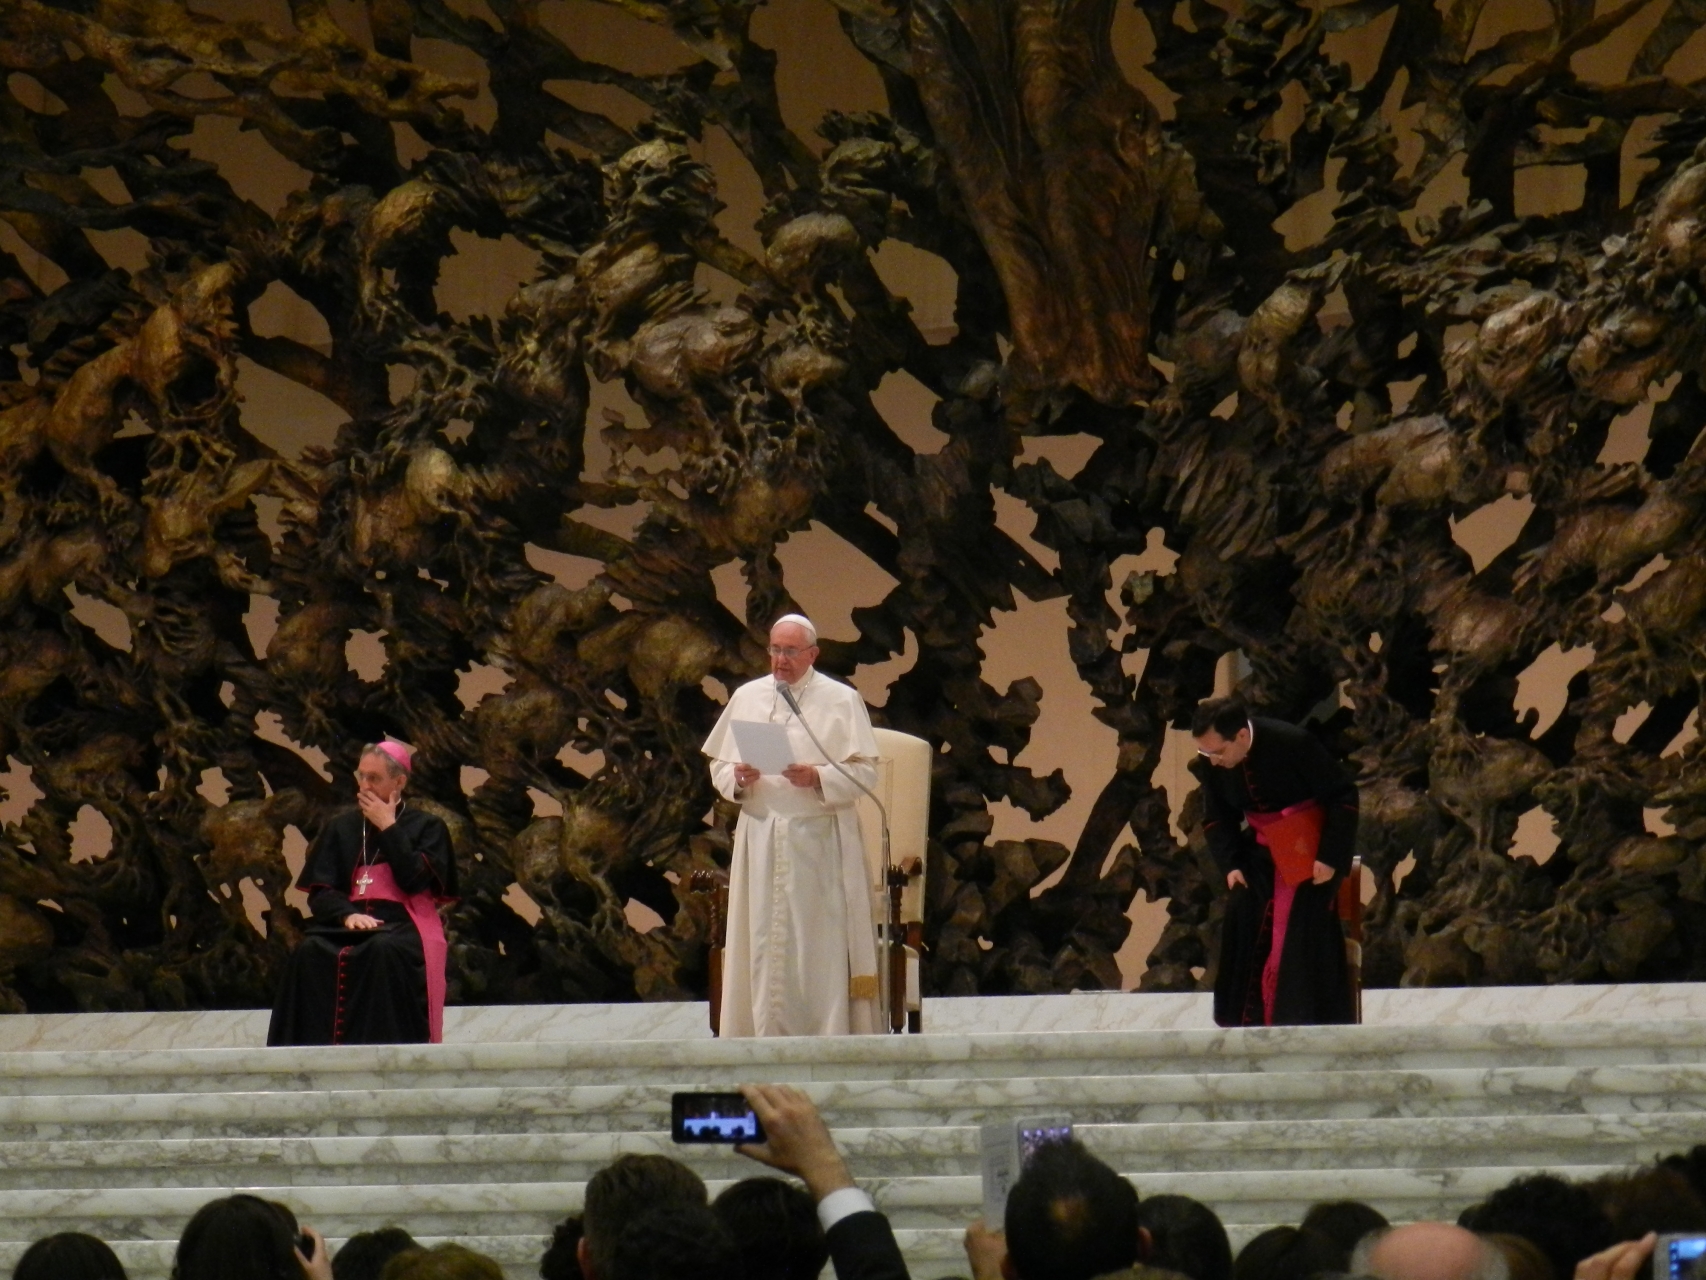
[
  {"x": 1142, "y": 1149},
  {"x": 490, "y": 1143},
  {"x": 1347, "y": 1094},
  {"x": 495, "y": 1209},
  {"x": 1267, "y": 1050}
]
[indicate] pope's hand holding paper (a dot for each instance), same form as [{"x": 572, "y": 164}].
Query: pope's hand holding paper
[{"x": 763, "y": 745}]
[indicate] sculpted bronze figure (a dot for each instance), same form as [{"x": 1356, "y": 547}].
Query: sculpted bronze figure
[{"x": 1301, "y": 414}]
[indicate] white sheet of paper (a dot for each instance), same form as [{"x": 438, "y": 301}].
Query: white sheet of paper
[{"x": 763, "y": 745}]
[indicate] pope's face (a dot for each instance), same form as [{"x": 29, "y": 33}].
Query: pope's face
[
  {"x": 373, "y": 776},
  {"x": 1224, "y": 753},
  {"x": 791, "y": 652}
]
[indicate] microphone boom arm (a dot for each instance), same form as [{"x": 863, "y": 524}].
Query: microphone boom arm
[
  {"x": 882, "y": 809},
  {"x": 891, "y": 874}
]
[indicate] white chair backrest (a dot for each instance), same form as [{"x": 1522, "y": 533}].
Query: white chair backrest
[{"x": 903, "y": 781}]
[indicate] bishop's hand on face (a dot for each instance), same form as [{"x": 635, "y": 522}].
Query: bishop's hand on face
[{"x": 381, "y": 813}]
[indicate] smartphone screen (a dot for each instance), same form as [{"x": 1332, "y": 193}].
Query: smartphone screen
[
  {"x": 1035, "y": 1135},
  {"x": 713, "y": 1118},
  {"x": 1680, "y": 1258}
]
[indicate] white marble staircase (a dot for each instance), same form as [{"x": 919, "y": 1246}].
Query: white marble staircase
[{"x": 490, "y": 1143}]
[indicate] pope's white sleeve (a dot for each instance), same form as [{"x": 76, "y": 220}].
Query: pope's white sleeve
[
  {"x": 723, "y": 779},
  {"x": 838, "y": 792}
]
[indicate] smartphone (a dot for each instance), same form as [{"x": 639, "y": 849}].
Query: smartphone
[
  {"x": 305, "y": 1245},
  {"x": 1680, "y": 1257},
  {"x": 1037, "y": 1134},
  {"x": 713, "y": 1118},
  {"x": 1008, "y": 1146}
]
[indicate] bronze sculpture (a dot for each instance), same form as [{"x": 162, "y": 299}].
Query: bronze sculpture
[{"x": 1129, "y": 256}]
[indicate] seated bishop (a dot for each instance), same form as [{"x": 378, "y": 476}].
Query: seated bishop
[{"x": 370, "y": 969}]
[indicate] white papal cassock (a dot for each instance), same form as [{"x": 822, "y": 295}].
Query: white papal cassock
[{"x": 801, "y": 958}]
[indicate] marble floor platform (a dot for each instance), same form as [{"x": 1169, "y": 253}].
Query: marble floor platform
[
  {"x": 123, "y": 1124},
  {"x": 1083, "y": 1011}
]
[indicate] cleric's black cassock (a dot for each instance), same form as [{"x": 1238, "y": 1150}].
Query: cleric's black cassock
[
  {"x": 363, "y": 986},
  {"x": 1285, "y": 766}
]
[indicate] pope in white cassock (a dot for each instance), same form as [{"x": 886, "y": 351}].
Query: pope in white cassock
[{"x": 801, "y": 957}]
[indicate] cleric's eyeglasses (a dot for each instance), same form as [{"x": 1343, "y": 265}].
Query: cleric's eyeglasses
[{"x": 788, "y": 651}]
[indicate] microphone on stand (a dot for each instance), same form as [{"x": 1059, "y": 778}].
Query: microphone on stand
[
  {"x": 896, "y": 994},
  {"x": 882, "y": 809}
]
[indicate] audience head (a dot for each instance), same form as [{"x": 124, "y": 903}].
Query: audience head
[
  {"x": 1185, "y": 1236},
  {"x": 562, "y": 1259},
  {"x": 1344, "y": 1222},
  {"x": 775, "y": 1229},
  {"x": 365, "y": 1254},
  {"x": 442, "y": 1262},
  {"x": 288, "y": 1214},
  {"x": 685, "y": 1242},
  {"x": 1691, "y": 1165},
  {"x": 1070, "y": 1217},
  {"x": 1652, "y": 1199},
  {"x": 1288, "y": 1253},
  {"x": 239, "y": 1237},
  {"x": 1523, "y": 1258},
  {"x": 70, "y": 1255},
  {"x": 620, "y": 1192},
  {"x": 1560, "y": 1217},
  {"x": 1428, "y": 1251}
]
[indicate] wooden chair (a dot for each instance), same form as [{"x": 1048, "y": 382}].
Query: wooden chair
[
  {"x": 716, "y": 884},
  {"x": 1350, "y": 916}
]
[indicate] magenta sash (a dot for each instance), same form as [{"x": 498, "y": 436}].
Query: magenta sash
[
  {"x": 1292, "y": 838},
  {"x": 423, "y": 910},
  {"x": 1280, "y": 910}
]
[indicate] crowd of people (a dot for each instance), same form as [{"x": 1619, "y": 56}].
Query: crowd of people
[{"x": 1069, "y": 1217}]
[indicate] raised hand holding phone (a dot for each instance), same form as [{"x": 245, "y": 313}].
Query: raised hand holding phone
[
  {"x": 1676, "y": 1257},
  {"x": 1622, "y": 1261},
  {"x": 714, "y": 1118},
  {"x": 796, "y": 1140},
  {"x": 311, "y": 1251}
]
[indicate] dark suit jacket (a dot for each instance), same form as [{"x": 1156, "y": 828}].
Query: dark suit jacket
[{"x": 862, "y": 1247}]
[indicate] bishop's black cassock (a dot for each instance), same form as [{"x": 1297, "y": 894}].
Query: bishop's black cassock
[
  {"x": 369, "y": 986},
  {"x": 1286, "y": 768}
]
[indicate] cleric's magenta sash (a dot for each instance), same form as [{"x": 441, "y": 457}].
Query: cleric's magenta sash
[
  {"x": 375, "y": 882},
  {"x": 1293, "y": 837}
]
